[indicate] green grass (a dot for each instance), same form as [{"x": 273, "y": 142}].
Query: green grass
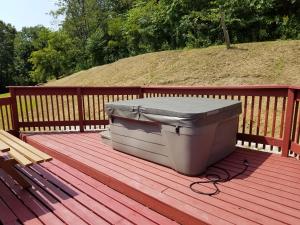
[
  {"x": 5, "y": 95},
  {"x": 276, "y": 62}
]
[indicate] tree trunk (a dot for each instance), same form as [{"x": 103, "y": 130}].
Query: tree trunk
[{"x": 225, "y": 31}]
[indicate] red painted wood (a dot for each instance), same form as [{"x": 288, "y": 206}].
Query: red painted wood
[
  {"x": 63, "y": 109},
  {"x": 78, "y": 202},
  {"x": 18, "y": 100},
  {"x": 295, "y": 147},
  {"x": 62, "y": 212},
  {"x": 251, "y": 114},
  {"x": 153, "y": 199},
  {"x": 150, "y": 214},
  {"x": 2, "y": 118},
  {"x": 111, "y": 204},
  {"x": 235, "y": 90},
  {"x": 41, "y": 212},
  {"x": 31, "y": 107},
  {"x": 288, "y": 122},
  {"x": 244, "y": 114},
  {"x": 282, "y": 117},
  {"x": 80, "y": 109},
  {"x": 14, "y": 114},
  {"x": 6, "y": 215},
  {"x": 26, "y": 108},
  {"x": 47, "y": 110},
  {"x": 6, "y": 101},
  {"x": 21, "y": 211},
  {"x": 52, "y": 107},
  {"x": 106, "y": 164},
  {"x": 68, "y": 110},
  {"x": 113, "y": 93},
  {"x": 295, "y": 118},
  {"x": 296, "y": 125},
  {"x": 259, "y": 139},
  {"x": 74, "y": 111},
  {"x": 244, "y": 199},
  {"x": 159, "y": 173},
  {"x": 274, "y": 116}
]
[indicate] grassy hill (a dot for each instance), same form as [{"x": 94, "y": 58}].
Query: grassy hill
[{"x": 275, "y": 62}]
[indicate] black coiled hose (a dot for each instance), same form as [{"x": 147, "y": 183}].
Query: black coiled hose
[{"x": 215, "y": 179}]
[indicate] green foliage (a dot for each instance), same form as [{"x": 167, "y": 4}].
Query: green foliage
[
  {"x": 57, "y": 58},
  {"x": 7, "y": 35},
  {"x": 95, "y": 32},
  {"x": 28, "y": 40}
]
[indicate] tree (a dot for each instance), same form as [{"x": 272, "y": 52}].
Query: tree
[
  {"x": 59, "y": 57},
  {"x": 28, "y": 40},
  {"x": 7, "y": 35}
]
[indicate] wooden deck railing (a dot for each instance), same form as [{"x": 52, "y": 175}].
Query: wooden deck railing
[
  {"x": 271, "y": 114},
  {"x": 6, "y": 114},
  {"x": 295, "y": 125}
]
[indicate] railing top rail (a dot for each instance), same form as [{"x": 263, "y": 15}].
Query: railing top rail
[
  {"x": 165, "y": 87},
  {"x": 38, "y": 90},
  {"x": 239, "y": 87},
  {"x": 5, "y": 101},
  {"x": 72, "y": 87}
]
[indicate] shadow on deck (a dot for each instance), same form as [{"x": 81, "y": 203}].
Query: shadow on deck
[
  {"x": 267, "y": 193},
  {"x": 61, "y": 194}
]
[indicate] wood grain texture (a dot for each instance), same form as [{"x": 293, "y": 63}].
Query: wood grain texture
[{"x": 268, "y": 192}]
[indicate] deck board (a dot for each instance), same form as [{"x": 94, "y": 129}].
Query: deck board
[
  {"x": 61, "y": 194},
  {"x": 267, "y": 193}
]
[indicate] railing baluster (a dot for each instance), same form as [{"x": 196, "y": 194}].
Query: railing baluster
[
  {"x": 93, "y": 109},
  {"x": 266, "y": 116},
  {"x": 295, "y": 119},
  {"x": 37, "y": 111},
  {"x": 63, "y": 109},
  {"x": 80, "y": 110},
  {"x": 47, "y": 110},
  {"x": 31, "y": 109},
  {"x": 297, "y": 129},
  {"x": 68, "y": 110},
  {"x": 274, "y": 117},
  {"x": 2, "y": 117},
  {"x": 251, "y": 114},
  {"x": 282, "y": 117},
  {"x": 74, "y": 110}
]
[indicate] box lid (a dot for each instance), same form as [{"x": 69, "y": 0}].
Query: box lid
[{"x": 172, "y": 110}]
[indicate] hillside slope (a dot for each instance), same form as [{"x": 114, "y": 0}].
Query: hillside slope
[{"x": 275, "y": 62}]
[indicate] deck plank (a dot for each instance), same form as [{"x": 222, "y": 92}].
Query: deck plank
[
  {"x": 160, "y": 172},
  {"x": 154, "y": 199},
  {"x": 241, "y": 201},
  {"x": 71, "y": 201},
  {"x": 108, "y": 202},
  {"x": 7, "y": 216},
  {"x": 23, "y": 213},
  {"x": 150, "y": 214},
  {"x": 66, "y": 196},
  {"x": 42, "y": 212},
  {"x": 266, "y": 207}
]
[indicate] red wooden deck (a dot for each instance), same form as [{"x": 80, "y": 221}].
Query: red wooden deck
[
  {"x": 61, "y": 194},
  {"x": 267, "y": 193}
]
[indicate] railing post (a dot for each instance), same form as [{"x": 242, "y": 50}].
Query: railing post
[
  {"x": 288, "y": 123},
  {"x": 141, "y": 94},
  {"x": 14, "y": 112},
  {"x": 80, "y": 109}
]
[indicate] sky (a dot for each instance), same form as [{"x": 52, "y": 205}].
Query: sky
[{"x": 20, "y": 13}]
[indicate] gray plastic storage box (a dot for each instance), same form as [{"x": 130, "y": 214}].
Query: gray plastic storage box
[{"x": 186, "y": 134}]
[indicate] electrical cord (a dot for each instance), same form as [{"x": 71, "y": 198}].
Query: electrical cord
[{"x": 215, "y": 179}]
